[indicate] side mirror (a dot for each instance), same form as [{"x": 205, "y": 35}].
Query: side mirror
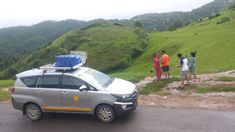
[{"x": 83, "y": 88}]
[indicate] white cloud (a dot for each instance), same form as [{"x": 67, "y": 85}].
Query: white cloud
[{"x": 28, "y": 12}]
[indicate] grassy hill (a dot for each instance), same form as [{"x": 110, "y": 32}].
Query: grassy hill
[
  {"x": 109, "y": 47},
  {"x": 166, "y": 21},
  {"x": 22, "y": 40},
  {"x": 17, "y": 42},
  {"x": 214, "y": 42}
]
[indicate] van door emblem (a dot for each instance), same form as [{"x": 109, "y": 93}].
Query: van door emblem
[{"x": 75, "y": 98}]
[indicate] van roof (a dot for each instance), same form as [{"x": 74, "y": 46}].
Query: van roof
[{"x": 35, "y": 72}]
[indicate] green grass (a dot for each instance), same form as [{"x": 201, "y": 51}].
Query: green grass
[
  {"x": 155, "y": 87},
  {"x": 4, "y": 84},
  {"x": 226, "y": 79},
  {"x": 214, "y": 43},
  {"x": 202, "y": 90},
  {"x": 4, "y": 95},
  {"x": 109, "y": 47}
]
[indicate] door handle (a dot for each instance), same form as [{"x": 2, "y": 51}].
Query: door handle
[
  {"x": 37, "y": 91},
  {"x": 64, "y": 92}
]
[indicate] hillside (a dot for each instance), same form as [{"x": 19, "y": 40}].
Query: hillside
[
  {"x": 164, "y": 21},
  {"x": 19, "y": 41},
  {"x": 109, "y": 47},
  {"x": 214, "y": 42},
  {"x": 29, "y": 39}
]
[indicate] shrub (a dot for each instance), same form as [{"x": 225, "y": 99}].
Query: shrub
[
  {"x": 223, "y": 20},
  {"x": 136, "y": 52}
]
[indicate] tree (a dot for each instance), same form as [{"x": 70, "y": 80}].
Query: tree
[
  {"x": 139, "y": 24},
  {"x": 178, "y": 24}
]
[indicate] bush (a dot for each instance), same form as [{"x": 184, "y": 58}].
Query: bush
[
  {"x": 214, "y": 16},
  {"x": 136, "y": 52},
  {"x": 223, "y": 20}
]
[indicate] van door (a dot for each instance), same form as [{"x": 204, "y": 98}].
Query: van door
[
  {"x": 72, "y": 98},
  {"x": 49, "y": 93}
]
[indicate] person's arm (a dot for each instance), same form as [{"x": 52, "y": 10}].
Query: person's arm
[
  {"x": 162, "y": 60},
  {"x": 181, "y": 63}
]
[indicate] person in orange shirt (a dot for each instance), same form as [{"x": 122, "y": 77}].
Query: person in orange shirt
[{"x": 165, "y": 60}]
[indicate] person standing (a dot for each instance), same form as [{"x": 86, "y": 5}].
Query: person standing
[
  {"x": 192, "y": 65},
  {"x": 165, "y": 64},
  {"x": 183, "y": 68},
  {"x": 156, "y": 65}
]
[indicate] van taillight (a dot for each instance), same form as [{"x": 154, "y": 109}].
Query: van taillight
[{"x": 12, "y": 90}]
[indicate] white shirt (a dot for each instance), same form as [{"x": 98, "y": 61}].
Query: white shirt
[{"x": 184, "y": 65}]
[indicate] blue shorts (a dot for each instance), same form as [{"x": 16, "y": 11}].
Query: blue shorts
[{"x": 165, "y": 68}]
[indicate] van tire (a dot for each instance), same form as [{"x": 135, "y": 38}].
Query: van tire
[
  {"x": 33, "y": 112},
  {"x": 105, "y": 113}
]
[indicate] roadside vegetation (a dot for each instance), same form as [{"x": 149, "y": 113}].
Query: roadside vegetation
[
  {"x": 4, "y": 84},
  {"x": 156, "y": 87},
  {"x": 226, "y": 79},
  {"x": 218, "y": 89}
]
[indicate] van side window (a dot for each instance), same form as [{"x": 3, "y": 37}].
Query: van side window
[
  {"x": 71, "y": 82},
  {"x": 29, "y": 81},
  {"x": 49, "y": 82}
]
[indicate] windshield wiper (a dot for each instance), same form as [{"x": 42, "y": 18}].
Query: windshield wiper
[{"x": 109, "y": 82}]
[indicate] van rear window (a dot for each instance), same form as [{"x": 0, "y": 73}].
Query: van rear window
[{"x": 29, "y": 81}]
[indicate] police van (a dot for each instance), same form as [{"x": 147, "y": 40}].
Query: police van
[{"x": 72, "y": 89}]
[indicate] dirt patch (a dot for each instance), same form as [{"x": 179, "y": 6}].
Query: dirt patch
[
  {"x": 145, "y": 81},
  {"x": 6, "y": 89},
  {"x": 175, "y": 97},
  {"x": 190, "y": 101}
]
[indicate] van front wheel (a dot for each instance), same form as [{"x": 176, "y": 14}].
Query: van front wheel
[
  {"x": 33, "y": 112},
  {"x": 105, "y": 113}
]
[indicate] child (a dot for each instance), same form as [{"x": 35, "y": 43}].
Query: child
[
  {"x": 156, "y": 64},
  {"x": 192, "y": 65},
  {"x": 184, "y": 68}
]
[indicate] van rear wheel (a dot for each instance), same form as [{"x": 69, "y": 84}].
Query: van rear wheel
[
  {"x": 105, "y": 113},
  {"x": 33, "y": 112}
]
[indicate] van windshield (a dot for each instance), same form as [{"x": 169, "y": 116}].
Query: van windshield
[{"x": 97, "y": 77}]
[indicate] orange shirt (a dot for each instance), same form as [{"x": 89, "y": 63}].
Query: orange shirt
[{"x": 165, "y": 60}]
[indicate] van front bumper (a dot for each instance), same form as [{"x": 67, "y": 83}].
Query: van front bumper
[{"x": 122, "y": 108}]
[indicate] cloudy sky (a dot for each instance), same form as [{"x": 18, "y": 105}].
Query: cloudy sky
[{"x": 28, "y": 12}]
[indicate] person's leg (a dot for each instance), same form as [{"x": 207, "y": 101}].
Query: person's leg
[
  {"x": 194, "y": 76},
  {"x": 168, "y": 72},
  {"x": 158, "y": 75},
  {"x": 156, "y": 72},
  {"x": 169, "y": 75},
  {"x": 186, "y": 76},
  {"x": 193, "y": 72},
  {"x": 164, "y": 71},
  {"x": 190, "y": 76},
  {"x": 183, "y": 82},
  {"x": 182, "y": 78}
]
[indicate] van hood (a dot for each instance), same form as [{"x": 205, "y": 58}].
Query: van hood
[{"x": 119, "y": 86}]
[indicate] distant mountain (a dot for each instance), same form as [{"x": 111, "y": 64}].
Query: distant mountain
[
  {"x": 16, "y": 41},
  {"x": 164, "y": 21}
]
